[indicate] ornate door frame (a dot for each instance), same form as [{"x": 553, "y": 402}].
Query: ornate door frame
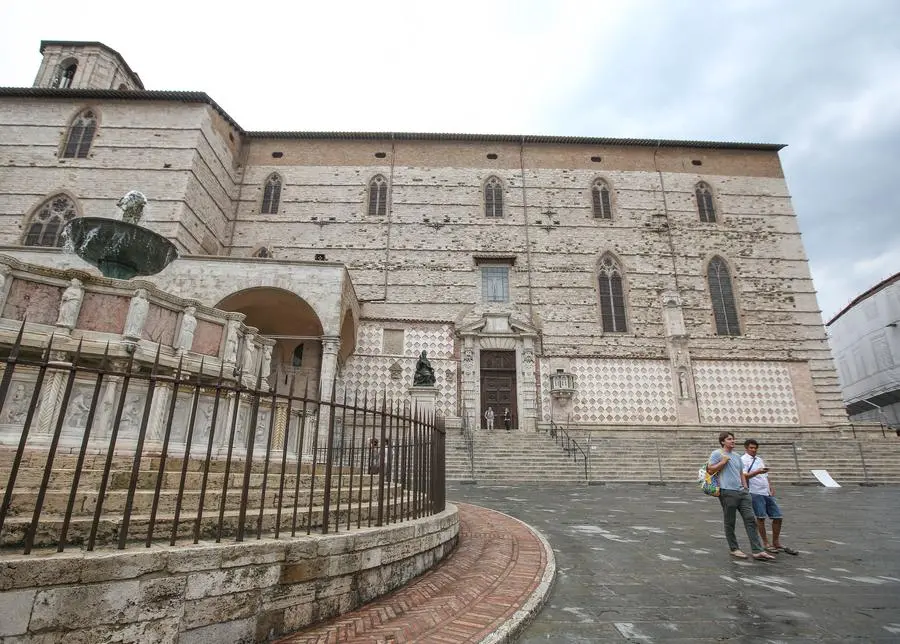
[{"x": 499, "y": 332}]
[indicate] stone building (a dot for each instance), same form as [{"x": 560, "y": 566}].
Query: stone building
[
  {"x": 865, "y": 340},
  {"x": 605, "y": 283}
]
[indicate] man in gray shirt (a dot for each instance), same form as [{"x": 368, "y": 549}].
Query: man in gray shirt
[{"x": 735, "y": 498}]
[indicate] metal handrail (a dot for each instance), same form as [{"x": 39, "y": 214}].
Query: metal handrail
[{"x": 569, "y": 444}]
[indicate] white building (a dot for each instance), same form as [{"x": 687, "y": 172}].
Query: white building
[{"x": 865, "y": 340}]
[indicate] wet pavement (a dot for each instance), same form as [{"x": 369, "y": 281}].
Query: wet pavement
[{"x": 642, "y": 563}]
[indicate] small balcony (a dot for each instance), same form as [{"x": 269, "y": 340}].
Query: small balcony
[{"x": 562, "y": 385}]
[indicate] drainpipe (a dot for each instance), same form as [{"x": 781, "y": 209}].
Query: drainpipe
[
  {"x": 527, "y": 239},
  {"x": 390, "y": 209},
  {"x": 662, "y": 187}
]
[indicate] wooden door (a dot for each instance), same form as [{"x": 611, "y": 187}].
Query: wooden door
[{"x": 498, "y": 386}]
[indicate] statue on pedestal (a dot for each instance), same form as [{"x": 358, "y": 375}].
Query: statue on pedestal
[
  {"x": 424, "y": 376},
  {"x": 70, "y": 305},
  {"x": 188, "y": 326}
]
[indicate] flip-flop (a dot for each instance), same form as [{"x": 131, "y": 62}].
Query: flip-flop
[
  {"x": 763, "y": 556},
  {"x": 772, "y": 549},
  {"x": 789, "y": 550},
  {"x": 738, "y": 554}
]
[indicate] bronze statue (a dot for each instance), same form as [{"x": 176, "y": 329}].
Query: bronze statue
[{"x": 424, "y": 376}]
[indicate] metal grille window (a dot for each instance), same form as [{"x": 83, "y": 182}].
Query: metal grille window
[
  {"x": 495, "y": 283},
  {"x": 378, "y": 196},
  {"x": 493, "y": 198},
  {"x": 705, "y": 205},
  {"x": 612, "y": 297},
  {"x": 601, "y": 202},
  {"x": 722, "y": 295},
  {"x": 80, "y": 136},
  {"x": 271, "y": 195},
  {"x": 47, "y": 224}
]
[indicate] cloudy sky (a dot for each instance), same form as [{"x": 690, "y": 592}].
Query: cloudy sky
[{"x": 822, "y": 76}]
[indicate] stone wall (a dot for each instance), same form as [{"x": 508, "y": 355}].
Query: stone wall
[{"x": 211, "y": 593}]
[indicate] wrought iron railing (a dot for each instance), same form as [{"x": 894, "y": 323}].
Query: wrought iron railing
[{"x": 96, "y": 451}]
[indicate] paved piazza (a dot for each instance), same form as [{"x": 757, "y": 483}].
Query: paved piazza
[{"x": 641, "y": 563}]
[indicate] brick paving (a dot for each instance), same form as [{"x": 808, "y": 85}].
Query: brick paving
[{"x": 493, "y": 582}]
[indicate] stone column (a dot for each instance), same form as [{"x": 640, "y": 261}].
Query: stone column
[
  {"x": 471, "y": 409},
  {"x": 51, "y": 395},
  {"x": 327, "y": 371},
  {"x": 528, "y": 420}
]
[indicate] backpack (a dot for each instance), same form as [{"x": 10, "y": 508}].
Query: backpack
[{"x": 709, "y": 483}]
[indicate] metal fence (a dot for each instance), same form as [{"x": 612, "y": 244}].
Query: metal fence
[{"x": 101, "y": 451}]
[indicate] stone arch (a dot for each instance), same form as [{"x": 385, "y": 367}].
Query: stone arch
[
  {"x": 292, "y": 322},
  {"x": 348, "y": 336}
]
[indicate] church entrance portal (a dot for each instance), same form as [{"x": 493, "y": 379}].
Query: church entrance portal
[{"x": 498, "y": 385}]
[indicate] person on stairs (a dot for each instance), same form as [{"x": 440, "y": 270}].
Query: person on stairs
[
  {"x": 762, "y": 496},
  {"x": 507, "y": 419},
  {"x": 489, "y": 419}
]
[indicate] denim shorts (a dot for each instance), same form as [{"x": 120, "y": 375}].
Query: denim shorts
[{"x": 765, "y": 507}]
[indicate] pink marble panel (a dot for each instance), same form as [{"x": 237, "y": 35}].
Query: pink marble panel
[
  {"x": 160, "y": 325},
  {"x": 207, "y": 338},
  {"x": 103, "y": 312},
  {"x": 33, "y": 301}
]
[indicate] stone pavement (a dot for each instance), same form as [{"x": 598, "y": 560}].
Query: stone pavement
[
  {"x": 641, "y": 563},
  {"x": 494, "y": 582}
]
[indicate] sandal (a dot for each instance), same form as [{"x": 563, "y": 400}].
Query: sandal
[
  {"x": 772, "y": 549},
  {"x": 763, "y": 556},
  {"x": 788, "y": 550},
  {"x": 738, "y": 554}
]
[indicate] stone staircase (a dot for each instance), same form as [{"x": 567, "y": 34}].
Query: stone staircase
[
  {"x": 660, "y": 457},
  {"x": 271, "y": 499},
  {"x": 510, "y": 456}
]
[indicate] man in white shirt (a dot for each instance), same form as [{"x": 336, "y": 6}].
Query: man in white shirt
[{"x": 762, "y": 495}]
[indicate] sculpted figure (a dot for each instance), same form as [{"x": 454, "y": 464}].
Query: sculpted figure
[
  {"x": 137, "y": 314},
  {"x": 70, "y": 305},
  {"x": 4, "y": 273},
  {"x": 231, "y": 343},
  {"x": 132, "y": 205},
  {"x": 188, "y": 326},
  {"x": 249, "y": 350},
  {"x": 424, "y": 376}
]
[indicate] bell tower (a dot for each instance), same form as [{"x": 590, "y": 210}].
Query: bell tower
[{"x": 84, "y": 65}]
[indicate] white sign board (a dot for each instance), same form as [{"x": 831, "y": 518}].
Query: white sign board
[{"x": 824, "y": 478}]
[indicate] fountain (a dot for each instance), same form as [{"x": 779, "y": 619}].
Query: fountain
[{"x": 120, "y": 248}]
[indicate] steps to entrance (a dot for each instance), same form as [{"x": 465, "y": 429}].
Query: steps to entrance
[
  {"x": 535, "y": 457},
  {"x": 510, "y": 456}
]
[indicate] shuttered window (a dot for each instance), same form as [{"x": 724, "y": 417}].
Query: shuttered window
[
  {"x": 612, "y": 297},
  {"x": 378, "y": 196},
  {"x": 602, "y": 207},
  {"x": 722, "y": 295},
  {"x": 271, "y": 195},
  {"x": 80, "y": 136},
  {"x": 705, "y": 205},
  {"x": 493, "y": 198}
]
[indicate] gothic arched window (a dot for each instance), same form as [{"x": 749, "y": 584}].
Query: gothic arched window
[
  {"x": 378, "y": 196},
  {"x": 705, "y": 205},
  {"x": 493, "y": 198},
  {"x": 271, "y": 195},
  {"x": 80, "y": 136},
  {"x": 297, "y": 357},
  {"x": 722, "y": 295},
  {"x": 600, "y": 200},
  {"x": 612, "y": 296},
  {"x": 48, "y": 221}
]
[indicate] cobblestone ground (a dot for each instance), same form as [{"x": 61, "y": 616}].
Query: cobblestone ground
[{"x": 640, "y": 563}]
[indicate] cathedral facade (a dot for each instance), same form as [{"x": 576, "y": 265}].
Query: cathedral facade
[{"x": 596, "y": 283}]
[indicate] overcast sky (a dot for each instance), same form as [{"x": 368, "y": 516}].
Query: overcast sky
[{"x": 822, "y": 76}]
